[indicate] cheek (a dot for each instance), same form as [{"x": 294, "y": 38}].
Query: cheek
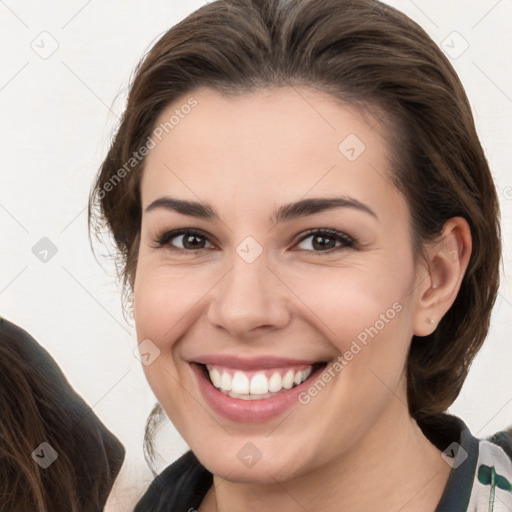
[
  {"x": 368, "y": 322},
  {"x": 349, "y": 300},
  {"x": 163, "y": 298},
  {"x": 364, "y": 312},
  {"x": 167, "y": 301}
]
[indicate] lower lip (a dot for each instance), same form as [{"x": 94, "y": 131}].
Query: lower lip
[{"x": 249, "y": 411}]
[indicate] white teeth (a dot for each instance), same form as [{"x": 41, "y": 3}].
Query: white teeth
[
  {"x": 259, "y": 384},
  {"x": 275, "y": 383},
  {"x": 240, "y": 385},
  {"x": 215, "y": 376},
  {"x": 225, "y": 382},
  {"x": 288, "y": 380}
]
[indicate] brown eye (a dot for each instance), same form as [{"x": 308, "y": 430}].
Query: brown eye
[
  {"x": 325, "y": 240},
  {"x": 186, "y": 240}
]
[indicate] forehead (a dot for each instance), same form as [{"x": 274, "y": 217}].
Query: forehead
[{"x": 270, "y": 144}]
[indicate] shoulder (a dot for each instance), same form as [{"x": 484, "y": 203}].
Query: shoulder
[
  {"x": 181, "y": 487},
  {"x": 504, "y": 440},
  {"x": 34, "y": 389},
  {"x": 492, "y": 484},
  {"x": 481, "y": 475}
]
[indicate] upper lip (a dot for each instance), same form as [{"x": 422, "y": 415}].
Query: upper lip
[{"x": 252, "y": 363}]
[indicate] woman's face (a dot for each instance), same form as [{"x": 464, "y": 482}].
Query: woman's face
[{"x": 258, "y": 297}]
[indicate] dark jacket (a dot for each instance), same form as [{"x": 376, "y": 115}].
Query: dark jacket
[{"x": 33, "y": 386}]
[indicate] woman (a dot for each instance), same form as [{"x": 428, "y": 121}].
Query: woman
[
  {"x": 55, "y": 454},
  {"x": 309, "y": 234}
]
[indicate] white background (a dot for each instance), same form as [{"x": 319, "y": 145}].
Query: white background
[{"x": 57, "y": 118}]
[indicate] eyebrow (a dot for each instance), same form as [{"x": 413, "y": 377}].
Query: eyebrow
[{"x": 284, "y": 213}]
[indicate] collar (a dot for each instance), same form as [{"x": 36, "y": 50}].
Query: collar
[{"x": 481, "y": 475}]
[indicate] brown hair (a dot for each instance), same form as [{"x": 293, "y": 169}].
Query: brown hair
[
  {"x": 360, "y": 51},
  {"x": 37, "y": 405}
]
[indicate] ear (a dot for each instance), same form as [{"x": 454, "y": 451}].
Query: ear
[{"x": 437, "y": 285}]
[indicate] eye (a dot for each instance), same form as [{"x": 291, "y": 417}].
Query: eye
[
  {"x": 325, "y": 240},
  {"x": 184, "y": 240},
  {"x": 319, "y": 240}
]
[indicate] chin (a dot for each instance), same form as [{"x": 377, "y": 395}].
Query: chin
[{"x": 239, "y": 460}]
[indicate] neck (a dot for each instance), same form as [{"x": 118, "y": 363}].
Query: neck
[{"x": 394, "y": 467}]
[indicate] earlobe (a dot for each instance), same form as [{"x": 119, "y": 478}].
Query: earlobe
[{"x": 447, "y": 261}]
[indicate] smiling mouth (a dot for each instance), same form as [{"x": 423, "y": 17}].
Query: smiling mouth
[{"x": 258, "y": 384}]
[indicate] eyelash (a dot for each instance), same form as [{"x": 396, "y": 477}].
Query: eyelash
[{"x": 346, "y": 240}]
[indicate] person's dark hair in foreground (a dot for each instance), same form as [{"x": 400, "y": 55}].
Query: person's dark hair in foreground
[
  {"x": 38, "y": 405},
  {"x": 368, "y": 58}
]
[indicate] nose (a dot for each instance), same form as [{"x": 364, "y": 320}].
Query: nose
[{"x": 250, "y": 300}]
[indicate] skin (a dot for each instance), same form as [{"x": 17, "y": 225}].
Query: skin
[{"x": 353, "y": 446}]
